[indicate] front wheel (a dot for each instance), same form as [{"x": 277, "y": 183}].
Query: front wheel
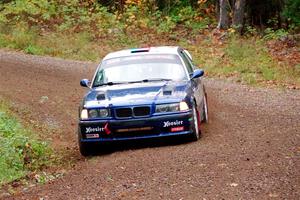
[
  {"x": 196, "y": 131},
  {"x": 85, "y": 149}
]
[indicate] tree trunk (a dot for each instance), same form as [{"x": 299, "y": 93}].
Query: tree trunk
[
  {"x": 224, "y": 15},
  {"x": 238, "y": 15},
  {"x": 217, "y": 9}
]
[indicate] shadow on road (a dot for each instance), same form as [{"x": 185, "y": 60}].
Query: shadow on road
[{"x": 104, "y": 149}]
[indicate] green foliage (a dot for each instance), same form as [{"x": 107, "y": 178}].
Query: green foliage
[
  {"x": 32, "y": 11},
  {"x": 19, "y": 151},
  {"x": 166, "y": 25},
  {"x": 34, "y": 50},
  {"x": 292, "y": 11},
  {"x": 271, "y": 34},
  {"x": 88, "y": 16},
  {"x": 183, "y": 15},
  {"x": 250, "y": 31},
  {"x": 64, "y": 15}
]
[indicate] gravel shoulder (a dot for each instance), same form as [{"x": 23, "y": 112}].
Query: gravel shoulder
[{"x": 249, "y": 150}]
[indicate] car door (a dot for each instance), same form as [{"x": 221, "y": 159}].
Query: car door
[{"x": 196, "y": 83}]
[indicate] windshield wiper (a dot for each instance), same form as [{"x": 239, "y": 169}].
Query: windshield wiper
[
  {"x": 109, "y": 83},
  {"x": 141, "y": 81},
  {"x": 157, "y": 79},
  {"x": 151, "y": 79}
]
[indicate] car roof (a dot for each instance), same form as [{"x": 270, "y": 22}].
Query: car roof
[{"x": 143, "y": 51}]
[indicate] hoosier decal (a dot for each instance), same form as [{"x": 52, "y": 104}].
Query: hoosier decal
[
  {"x": 93, "y": 130},
  {"x": 173, "y": 123}
]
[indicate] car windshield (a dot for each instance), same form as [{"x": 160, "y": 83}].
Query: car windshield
[{"x": 140, "y": 68}]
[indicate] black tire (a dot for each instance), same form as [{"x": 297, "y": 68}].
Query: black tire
[
  {"x": 196, "y": 130},
  {"x": 205, "y": 110},
  {"x": 85, "y": 149}
]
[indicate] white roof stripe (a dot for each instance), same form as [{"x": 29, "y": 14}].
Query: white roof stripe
[{"x": 152, "y": 50}]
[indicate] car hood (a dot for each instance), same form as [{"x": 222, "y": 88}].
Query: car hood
[{"x": 137, "y": 94}]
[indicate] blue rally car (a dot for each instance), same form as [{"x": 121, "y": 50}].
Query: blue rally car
[{"x": 142, "y": 93}]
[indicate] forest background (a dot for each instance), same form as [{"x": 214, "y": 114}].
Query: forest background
[{"x": 250, "y": 41}]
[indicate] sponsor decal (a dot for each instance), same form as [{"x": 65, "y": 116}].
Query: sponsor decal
[
  {"x": 172, "y": 123},
  {"x": 98, "y": 129},
  {"x": 176, "y": 129},
  {"x": 93, "y": 130},
  {"x": 92, "y": 136}
]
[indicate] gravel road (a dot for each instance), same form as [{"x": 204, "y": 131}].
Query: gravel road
[{"x": 249, "y": 150}]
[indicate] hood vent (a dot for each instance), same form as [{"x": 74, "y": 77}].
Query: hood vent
[
  {"x": 101, "y": 97},
  {"x": 167, "y": 92}
]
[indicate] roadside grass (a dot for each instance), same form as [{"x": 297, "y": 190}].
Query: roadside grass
[
  {"x": 254, "y": 65},
  {"x": 248, "y": 61},
  {"x": 21, "y": 152},
  {"x": 77, "y": 46},
  {"x": 245, "y": 60}
]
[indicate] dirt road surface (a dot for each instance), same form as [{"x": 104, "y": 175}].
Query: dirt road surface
[{"x": 249, "y": 150}]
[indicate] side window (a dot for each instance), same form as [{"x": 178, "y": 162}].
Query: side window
[
  {"x": 191, "y": 61},
  {"x": 187, "y": 63},
  {"x": 99, "y": 79}
]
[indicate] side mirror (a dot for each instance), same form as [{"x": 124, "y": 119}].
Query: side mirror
[
  {"x": 84, "y": 83},
  {"x": 197, "y": 73}
]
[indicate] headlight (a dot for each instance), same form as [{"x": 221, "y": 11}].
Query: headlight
[
  {"x": 103, "y": 113},
  {"x": 172, "y": 107},
  {"x": 94, "y": 113},
  {"x": 167, "y": 108},
  {"x": 183, "y": 106},
  {"x": 84, "y": 114}
]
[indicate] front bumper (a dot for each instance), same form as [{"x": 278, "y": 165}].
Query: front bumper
[{"x": 133, "y": 129}]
